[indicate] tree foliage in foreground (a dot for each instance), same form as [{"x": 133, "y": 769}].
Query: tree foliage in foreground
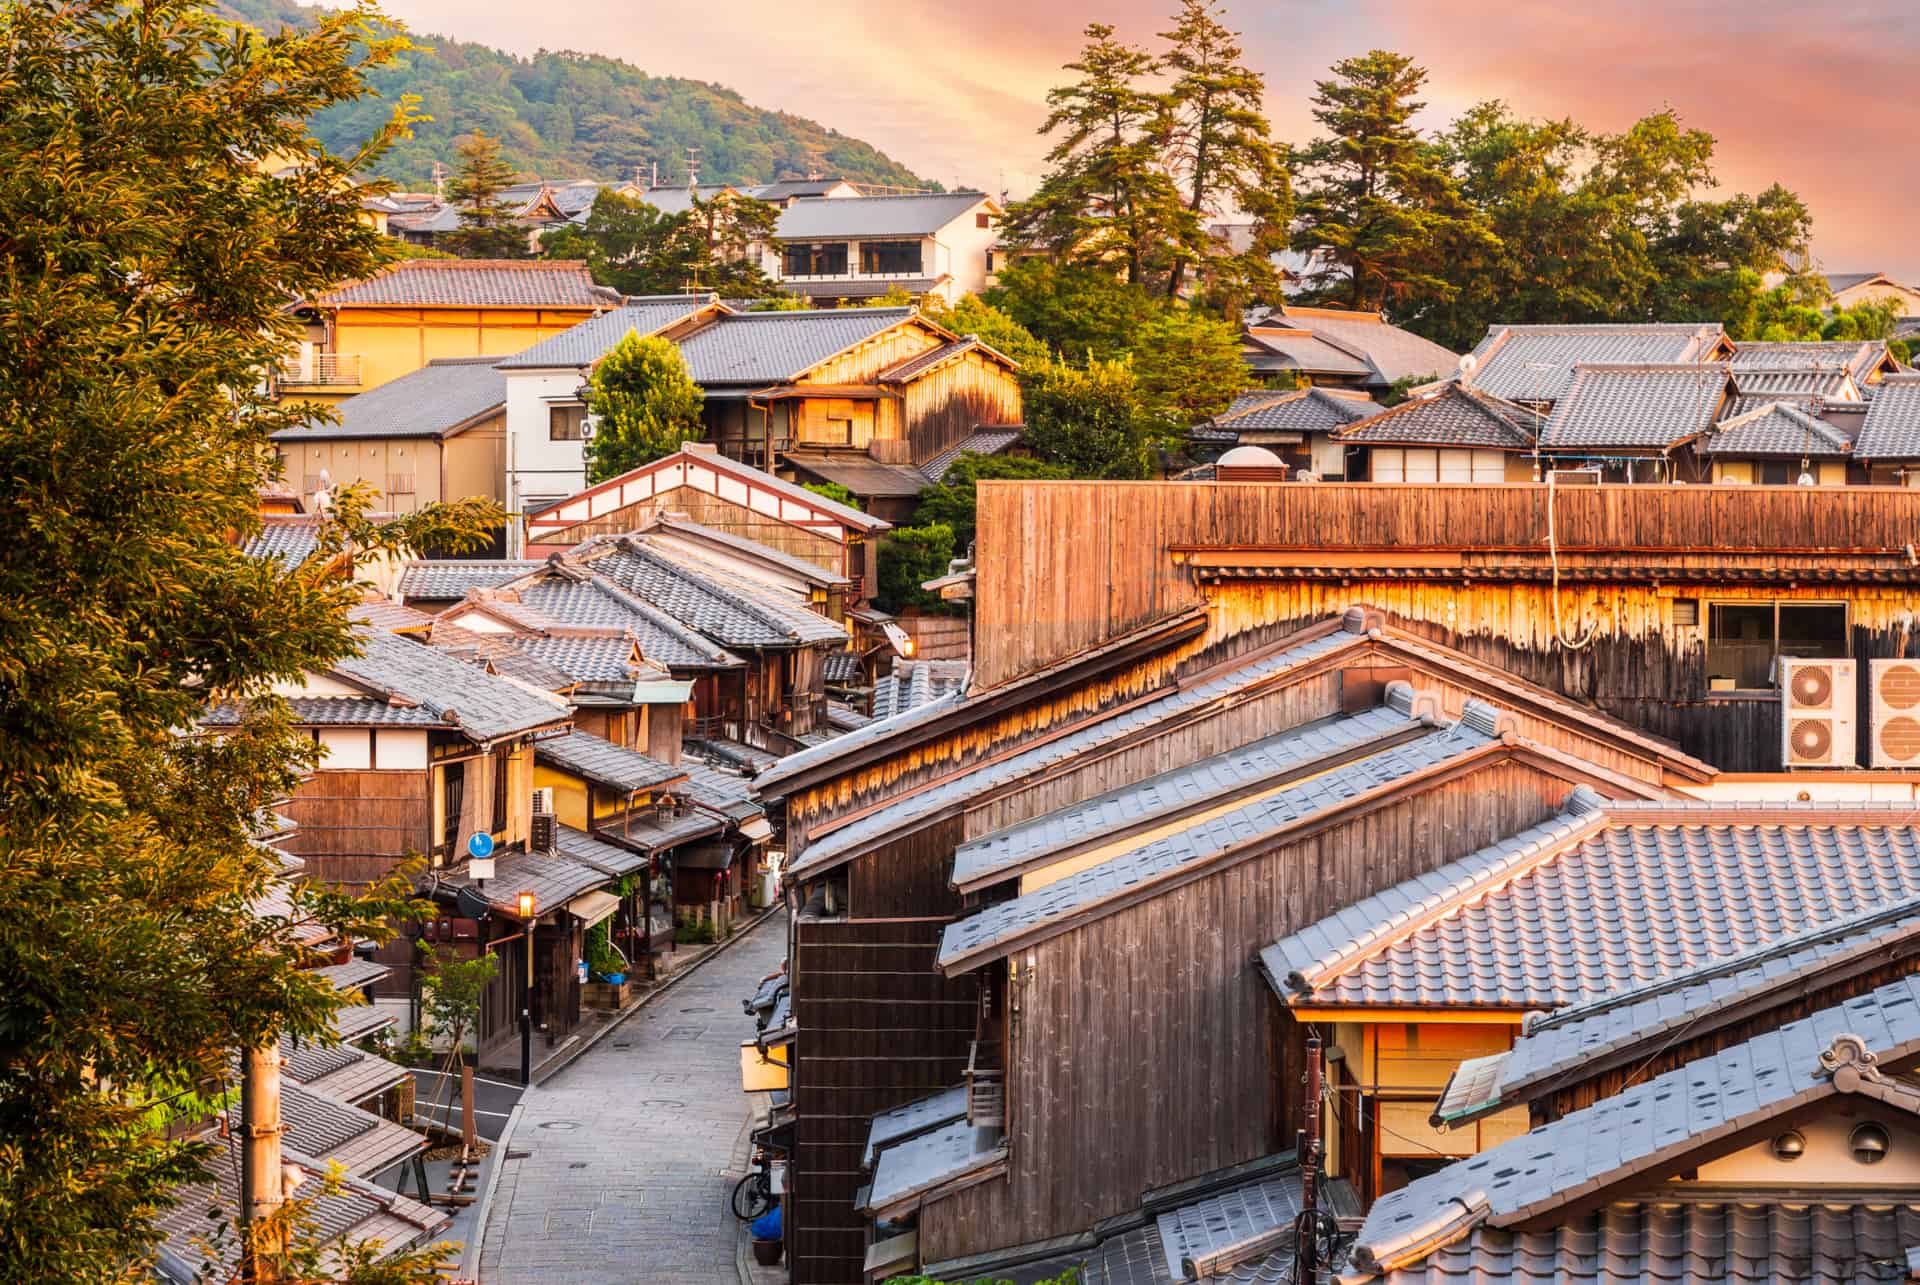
[
  {"x": 148, "y": 263},
  {"x": 644, "y": 406}
]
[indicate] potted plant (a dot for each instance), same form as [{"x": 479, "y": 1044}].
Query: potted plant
[{"x": 607, "y": 968}]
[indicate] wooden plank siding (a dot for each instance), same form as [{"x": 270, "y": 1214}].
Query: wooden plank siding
[
  {"x": 947, "y": 403},
  {"x": 721, "y": 515},
  {"x": 344, "y": 817},
  {"x": 1140, "y": 1049},
  {"x": 876, "y": 1027}
]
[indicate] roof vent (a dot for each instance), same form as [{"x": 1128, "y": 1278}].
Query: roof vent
[
  {"x": 1415, "y": 704},
  {"x": 1489, "y": 719}
]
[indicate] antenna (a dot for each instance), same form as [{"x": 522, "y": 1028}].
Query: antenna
[{"x": 693, "y": 167}]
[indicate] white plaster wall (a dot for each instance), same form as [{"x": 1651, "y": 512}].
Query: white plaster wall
[
  {"x": 346, "y": 749},
  {"x": 537, "y": 466},
  {"x": 400, "y": 750}
]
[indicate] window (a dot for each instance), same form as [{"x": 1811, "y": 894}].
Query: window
[
  {"x": 815, "y": 259},
  {"x": 838, "y": 431},
  {"x": 1744, "y": 639},
  {"x": 500, "y": 765},
  {"x": 566, "y": 423},
  {"x": 1421, "y": 464},
  {"x": 983, "y": 220},
  {"x": 890, "y": 258},
  {"x": 454, "y": 786}
]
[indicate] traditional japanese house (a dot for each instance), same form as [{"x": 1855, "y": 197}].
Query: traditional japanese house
[
  {"x": 1637, "y": 422},
  {"x": 1335, "y": 347},
  {"x": 1454, "y": 433},
  {"x": 1792, "y": 1155},
  {"x": 1297, "y": 424},
  {"x": 1533, "y": 364}
]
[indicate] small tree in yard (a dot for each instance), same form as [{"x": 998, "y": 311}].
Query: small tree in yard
[
  {"x": 644, "y": 406},
  {"x": 910, "y": 556},
  {"x": 453, "y": 992},
  {"x": 487, "y": 229},
  {"x": 1091, "y": 419}
]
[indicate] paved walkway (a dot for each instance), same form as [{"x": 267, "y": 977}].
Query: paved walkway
[{"x": 632, "y": 1151}]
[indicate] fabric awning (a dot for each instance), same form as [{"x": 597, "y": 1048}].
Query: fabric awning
[{"x": 593, "y": 908}]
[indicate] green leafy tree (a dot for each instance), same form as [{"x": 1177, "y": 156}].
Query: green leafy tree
[
  {"x": 1107, "y": 199},
  {"x": 453, "y": 991},
  {"x": 1093, "y": 419},
  {"x": 1077, "y": 311},
  {"x": 636, "y": 248},
  {"x": 149, "y": 261},
  {"x": 1215, "y": 141},
  {"x": 835, "y": 492},
  {"x": 1375, "y": 203},
  {"x": 722, "y": 231},
  {"x": 953, "y": 501},
  {"x": 1188, "y": 364},
  {"x": 910, "y": 556},
  {"x": 972, "y": 315},
  {"x": 488, "y": 228},
  {"x": 644, "y": 406}
]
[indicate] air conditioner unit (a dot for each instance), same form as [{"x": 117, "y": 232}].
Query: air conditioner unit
[
  {"x": 1816, "y": 713},
  {"x": 1894, "y": 713},
  {"x": 543, "y": 800}
]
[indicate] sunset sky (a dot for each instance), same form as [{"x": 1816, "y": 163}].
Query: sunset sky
[{"x": 1818, "y": 97}]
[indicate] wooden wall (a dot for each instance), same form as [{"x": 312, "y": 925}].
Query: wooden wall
[
  {"x": 354, "y": 827},
  {"x": 1140, "y": 1054},
  {"x": 877, "y": 1027},
  {"x": 946, "y": 404}
]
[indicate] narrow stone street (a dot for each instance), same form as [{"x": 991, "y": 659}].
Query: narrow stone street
[{"x": 632, "y": 1151}]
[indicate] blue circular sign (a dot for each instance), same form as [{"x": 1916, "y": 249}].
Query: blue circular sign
[{"x": 480, "y": 844}]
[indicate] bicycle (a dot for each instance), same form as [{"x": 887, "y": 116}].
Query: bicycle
[{"x": 753, "y": 1195}]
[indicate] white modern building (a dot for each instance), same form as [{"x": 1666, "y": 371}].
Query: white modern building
[{"x": 831, "y": 248}]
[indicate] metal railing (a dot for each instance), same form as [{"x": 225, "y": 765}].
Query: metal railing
[
  {"x": 986, "y": 1085},
  {"x": 321, "y": 369}
]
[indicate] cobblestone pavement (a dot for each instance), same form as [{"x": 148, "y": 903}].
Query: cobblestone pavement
[{"x": 632, "y": 1151}]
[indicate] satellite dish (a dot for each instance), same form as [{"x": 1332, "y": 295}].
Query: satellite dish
[{"x": 1468, "y": 364}]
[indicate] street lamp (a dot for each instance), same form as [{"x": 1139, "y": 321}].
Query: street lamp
[{"x": 526, "y": 994}]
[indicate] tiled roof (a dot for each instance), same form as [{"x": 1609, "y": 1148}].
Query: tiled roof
[
  {"x": 1656, "y": 1120},
  {"x": 787, "y": 188},
  {"x": 588, "y": 342},
  {"x": 827, "y": 218},
  {"x": 938, "y": 355},
  {"x": 917, "y": 1116},
  {"x": 1214, "y": 780},
  {"x": 554, "y": 880},
  {"x": 776, "y": 347},
  {"x": 1535, "y": 363},
  {"x": 604, "y": 763},
  {"x": 358, "y": 1213},
  {"x": 1856, "y": 356},
  {"x": 594, "y": 601},
  {"x": 586, "y": 660},
  {"x": 677, "y": 198},
  {"x": 1777, "y": 428},
  {"x": 917, "y": 809},
  {"x": 1685, "y": 1243},
  {"x": 1393, "y": 353},
  {"x": 438, "y": 399},
  {"x": 1300, "y": 350},
  {"x": 342, "y": 711},
  {"x": 727, "y": 793},
  {"x": 673, "y": 524},
  {"x": 1453, "y": 415},
  {"x": 1799, "y": 384},
  {"x": 861, "y": 287},
  {"x": 982, "y": 441},
  {"x": 449, "y": 580},
  {"x": 699, "y": 466},
  {"x": 1636, "y": 406},
  {"x": 1838, "y": 281},
  {"x": 915, "y": 682},
  {"x": 1559, "y": 1044},
  {"x": 484, "y": 707},
  {"x": 927, "y": 1160},
  {"x": 1300, "y": 410},
  {"x": 475, "y": 283},
  {"x": 354, "y": 974},
  {"x": 1568, "y": 912},
  {"x": 730, "y": 609},
  {"x": 1001, "y": 924},
  {"x": 596, "y": 853},
  {"x": 288, "y": 539},
  {"x": 843, "y": 667},
  {"x": 1892, "y": 427},
  {"x": 363, "y": 1143},
  {"x": 866, "y": 477}
]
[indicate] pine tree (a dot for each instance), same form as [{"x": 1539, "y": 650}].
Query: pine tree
[
  {"x": 1108, "y": 199},
  {"x": 1215, "y": 141},
  {"x": 488, "y": 227},
  {"x": 1375, "y": 203}
]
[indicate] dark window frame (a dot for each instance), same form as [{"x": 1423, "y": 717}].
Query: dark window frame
[
  {"x": 567, "y": 422},
  {"x": 1750, "y": 662},
  {"x": 892, "y": 258},
  {"x": 814, "y": 259}
]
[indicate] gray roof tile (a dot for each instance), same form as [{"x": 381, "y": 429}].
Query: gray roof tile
[
  {"x": 1892, "y": 426},
  {"x": 1638, "y": 406},
  {"x": 775, "y": 347},
  {"x": 1553, "y": 917},
  {"x": 732, "y": 610},
  {"x": 342, "y": 711},
  {"x": 917, "y": 1116},
  {"x": 982, "y": 441},
  {"x": 866, "y": 477},
  {"x": 1778, "y": 428},
  {"x": 1650, "y": 1015},
  {"x": 450, "y": 579},
  {"x": 586, "y": 343},
  {"x": 1535, "y": 363},
  {"x": 1738, "y": 1087},
  {"x": 913, "y": 367},
  {"x": 851, "y": 840},
  {"x": 484, "y": 707},
  {"x": 553, "y": 879},
  {"x": 1453, "y": 415},
  {"x": 1002, "y": 923},
  {"x": 1272, "y": 349},
  {"x": 363, "y": 1143},
  {"x": 468, "y": 283},
  {"x": 1392, "y": 352},
  {"x": 1004, "y": 853},
  {"x": 593, "y": 601},
  {"x": 1300, "y": 410},
  {"x": 287, "y": 540},
  {"x": 1856, "y": 356},
  {"x": 915, "y": 682},
  {"x": 827, "y": 218},
  {"x": 435, "y": 400},
  {"x": 604, "y": 763},
  {"x": 926, "y": 1160},
  {"x": 725, "y": 792},
  {"x": 587, "y": 660}
]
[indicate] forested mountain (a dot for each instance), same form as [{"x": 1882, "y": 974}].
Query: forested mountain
[{"x": 569, "y": 115}]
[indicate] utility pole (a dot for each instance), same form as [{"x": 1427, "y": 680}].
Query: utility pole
[
  {"x": 1307, "y": 1150},
  {"x": 693, "y": 168},
  {"x": 262, "y": 1179}
]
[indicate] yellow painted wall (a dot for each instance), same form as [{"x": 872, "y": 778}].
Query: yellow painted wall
[
  {"x": 469, "y": 463},
  {"x": 569, "y": 795},
  {"x": 392, "y": 342}
]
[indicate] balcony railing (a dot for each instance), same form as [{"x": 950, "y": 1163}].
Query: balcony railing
[
  {"x": 986, "y": 1086},
  {"x": 321, "y": 370}
]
